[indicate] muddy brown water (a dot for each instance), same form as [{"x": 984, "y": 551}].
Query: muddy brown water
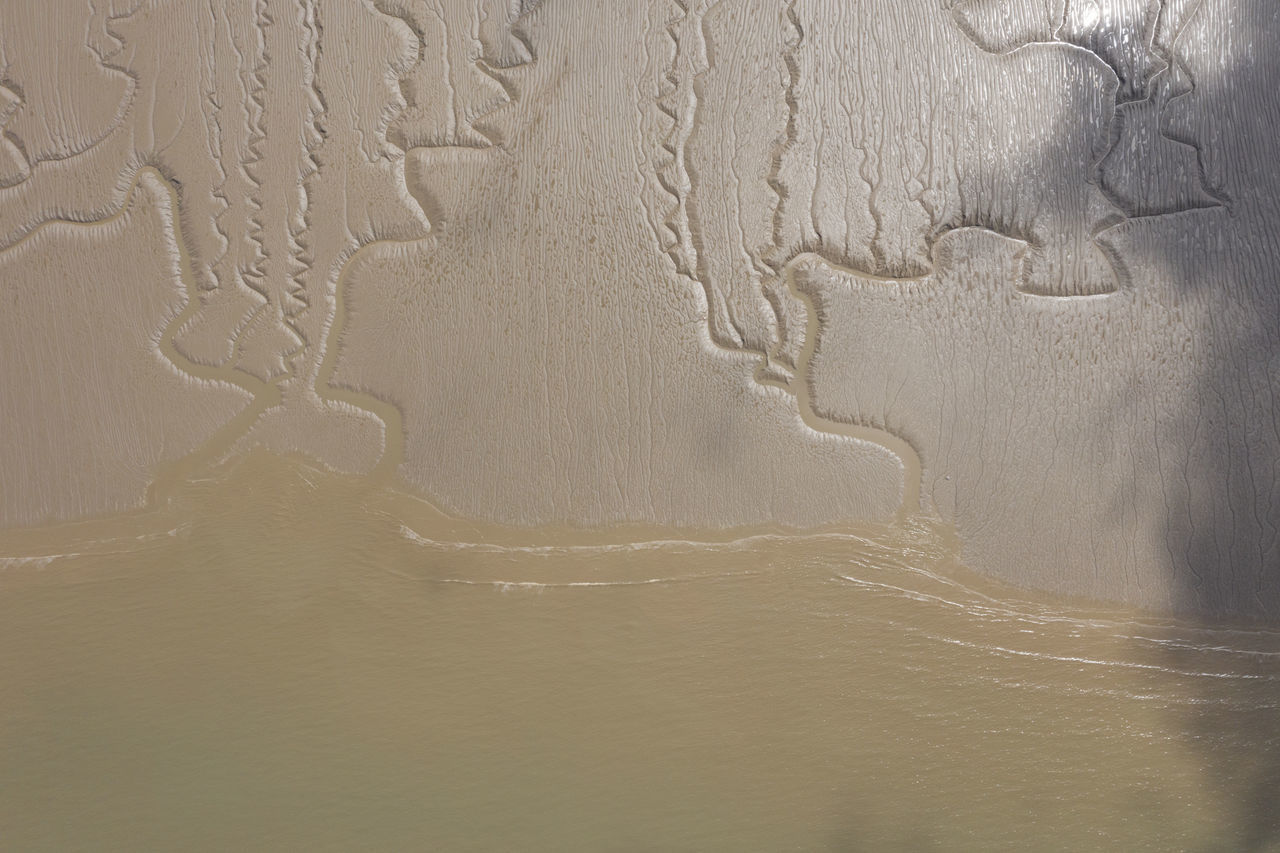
[{"x": 277, "y": 658}]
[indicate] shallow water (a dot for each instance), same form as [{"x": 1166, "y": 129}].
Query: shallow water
[{"x": 278, "y": 658}]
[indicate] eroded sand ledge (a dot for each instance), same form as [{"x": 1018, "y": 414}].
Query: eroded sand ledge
[{"x": 703, "y": 265}]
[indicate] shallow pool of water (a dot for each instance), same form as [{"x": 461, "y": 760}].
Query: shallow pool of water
[{"x": 276, "y": 658}]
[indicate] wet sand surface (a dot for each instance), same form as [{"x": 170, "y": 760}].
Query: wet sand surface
[{"x": 278, "y": 658}]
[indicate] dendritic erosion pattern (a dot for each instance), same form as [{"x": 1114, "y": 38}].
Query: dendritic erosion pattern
[
  {"x": 1028, "y": 246},
  {"x": 1012, "y": 261},
  {"x": 1150, "y": 166},
  {"x": 789, "y": 131},
  {"x": 813, "y": 126},
  {"x": 280, "y": 185}
]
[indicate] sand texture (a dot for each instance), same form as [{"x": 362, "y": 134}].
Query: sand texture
[{"x": 1007, "y": 265}]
